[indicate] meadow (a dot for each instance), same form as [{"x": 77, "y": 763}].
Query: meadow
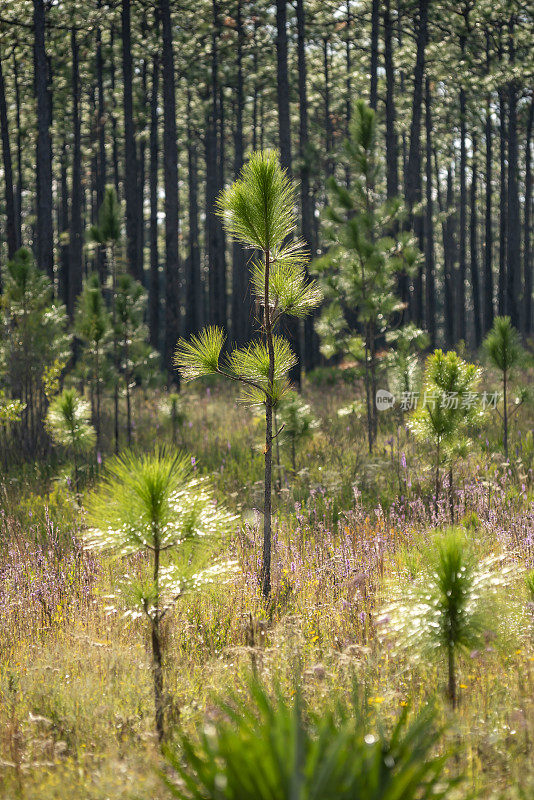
[{"x": 350, "y": 531}]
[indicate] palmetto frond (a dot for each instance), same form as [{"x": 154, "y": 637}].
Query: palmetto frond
[
  {"x": 201, "y": 355},
  {"x": 258, "y": 209}
]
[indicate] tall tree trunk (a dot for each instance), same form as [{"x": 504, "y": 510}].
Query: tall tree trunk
[
  {"x": 473, "y": 246},
  {"x": 329, "y": 135},
  {"x": 101, "y": 175},
  {"x": 375, "y": 24},
  {"x": 488, "y": 228},
  {"x": 310, "y": 343},
  {"x": 451, "y": 226},
  {"x": 45, "y": 231},
  {"x": 429, "y": 224},
  {"x": 392, "y": 148},
  {"x": 214, "y": 169},
  {"x": 153, "y": 284},
  {"x": 114, "y": 137},
  {"x": 130, "y": 151},
  {"x": 76, "y": 233},
  {"x": 64, "y": 227},
  {"x": 284, "y": 135},
  {"x": 18, "y": 199},
  {"x": 170, "y": 172},
  {"x": 348, "y": 82},
  {"x": 141, "y": 161},
  {"x": 241, "y": 305},
  {"x": 503, "y": 205},
  {"x": 462, "y": 331},
  {"x": 413, "y": 169},
  {"x": 513, "y": 250},
  {"x": 527, "y": 255},
  {"x": 193, "y": 300},
  {"x": 448, "y": 265},
  {"x": 11, "y": 236}
]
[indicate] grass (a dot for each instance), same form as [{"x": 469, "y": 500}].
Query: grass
[{"x": 76, "y": 707}]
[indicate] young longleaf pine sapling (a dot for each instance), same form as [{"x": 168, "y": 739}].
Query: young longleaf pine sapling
[
  {"x": 151, "y": 504},
  {"x": 447, "y": 410},
  {"x": 92, "y": 325},
  {"x": 68, "y": 423},
  {"x": 258, "y": 210},
  {"x": 450, "y": 607},
  {"x": 107, "y": 234},
  {"x": 504, "y": 349}
]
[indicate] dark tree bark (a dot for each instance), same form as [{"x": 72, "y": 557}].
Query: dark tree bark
[
  {"x": 392, "y": 148},
  {"x": 451, "y": 230},
  {"x": 513, "y": 250},
  {"x": 329, "y": 134},
  {"x": 429, "y": 224},
  {"x": 45, "y": 231},
  {"x": 473, "y": 246},
  {"x": 18, "y": 196},
  {"x": 310, "y": 339},
  {"x": 76, "y": 232},
  {"x": 114, "y": 137},
  {"x": 241, "y": 305},
  {"x": 527, "y": 255},
  {"x": 488, "y": 227},
  {"x": 141, "y": 161},
  {"x": 448, "y": 264},
  {"x": 284, "y": 134},
  {"x": 462, "y": 332},
  {"x": 282, "y": 86},
  {"x": 375, "y": 24},
  {"x": 64, "y": 227},
  {"x": 193, "y": 300},
  {"x": 153, "y": 284},
  {"x": 413, "y": 168},
  {"x": 130, "y": 151},
  {"x": 170, "y": 172},
  {"x": 255, "y": 93},
  {"x": 348, "y": 83},
  {"x": 101, "y": 172},
  {"x": 215, "y": 235},
  {"x": 11, "y": 236},
  {"x": 503, "y": 205}
]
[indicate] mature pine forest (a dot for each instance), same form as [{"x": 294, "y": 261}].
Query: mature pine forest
[
  {"x": 266, "y": 404},
  {"x": 165, "y": 101}
]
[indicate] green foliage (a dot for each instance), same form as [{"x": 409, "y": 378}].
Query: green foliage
[
  {"x": 367, "y": 252},
  {"x": 365, "y": 256},
  {"x": 451, "y": 605},
  {"x": 10, "y": 410},
  {"x": 92, "y": 325},
  {"x": 137, "y": 360},
  {"x": 262, "y": 749},
  {"x": 108, "y": 229},
  {"x": 444, "y": 414},
  {"x": 298, "y": 423},
  {"x": 152, "y": 504},
  {"x": 503, "y": 345},
  {"x": 33, "y": 339},
  {"x": 258, "y": 209},
  {"x": 404, "y": 370},
  {"x": 67, "y": 422}
]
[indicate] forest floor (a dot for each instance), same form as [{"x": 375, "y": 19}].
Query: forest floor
[{"x": 76, "y": 705}]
